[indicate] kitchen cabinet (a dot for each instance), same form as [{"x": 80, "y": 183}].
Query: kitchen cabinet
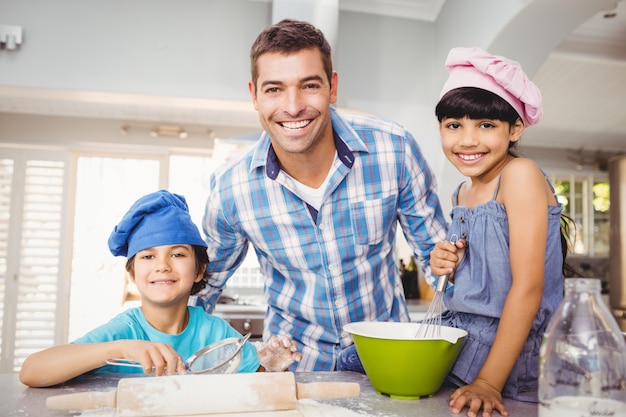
[{"x": 247, "y": 316}]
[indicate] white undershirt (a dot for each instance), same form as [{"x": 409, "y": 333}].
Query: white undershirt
[{"x": 314, "y": 196}]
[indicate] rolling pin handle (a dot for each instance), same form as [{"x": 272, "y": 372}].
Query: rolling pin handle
[{"x": 327, "y": 390}]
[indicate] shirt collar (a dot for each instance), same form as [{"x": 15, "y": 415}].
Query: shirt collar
[{"x": 347, "y": 141}]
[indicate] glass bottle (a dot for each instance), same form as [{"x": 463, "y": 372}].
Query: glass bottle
[{"x": 583, "y": 357}]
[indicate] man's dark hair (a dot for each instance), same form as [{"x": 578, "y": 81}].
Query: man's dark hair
[{"x": 287, "y": 37}]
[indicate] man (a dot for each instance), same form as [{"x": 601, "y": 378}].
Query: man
[{"x": 319, "y": 197}]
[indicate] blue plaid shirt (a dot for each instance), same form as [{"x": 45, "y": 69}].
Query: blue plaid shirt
[{"x": 325, "y": 269}]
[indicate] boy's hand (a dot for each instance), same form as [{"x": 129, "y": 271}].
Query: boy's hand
[
  {"x": 155, "y": 358},
  {"x": 278, "y": 353}
]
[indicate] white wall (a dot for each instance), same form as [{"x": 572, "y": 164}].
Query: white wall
[
  {"x": 392, "y": 67},
  {"x": 188, "y": 48}
]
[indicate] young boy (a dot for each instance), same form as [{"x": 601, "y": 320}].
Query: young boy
[{"x": 167, "y": 261}]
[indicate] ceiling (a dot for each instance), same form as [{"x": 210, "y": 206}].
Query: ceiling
[{"x": 583, "y": 83}]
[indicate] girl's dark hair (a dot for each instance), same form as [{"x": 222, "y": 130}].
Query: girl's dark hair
[
  {"x": 476, "y": 103},
  {"x": 202, "y": 259},
  {"x": 287, "y": 37}
]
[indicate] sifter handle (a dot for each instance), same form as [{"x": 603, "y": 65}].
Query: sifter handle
[{"x": 123, "y": 362}]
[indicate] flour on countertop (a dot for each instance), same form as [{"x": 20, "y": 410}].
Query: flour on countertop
[
  {"x": 308, "y": 408},
  {"x": 100, "y": 412},
  {"x": 312, "y": 408}
]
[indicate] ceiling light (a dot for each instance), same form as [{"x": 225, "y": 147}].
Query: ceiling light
[
  {"x": 170, "y": 130},
  {"x": 160, "y": 130}
]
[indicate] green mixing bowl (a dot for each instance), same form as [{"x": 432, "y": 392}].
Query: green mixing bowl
[{"x": 400, "y": 365}]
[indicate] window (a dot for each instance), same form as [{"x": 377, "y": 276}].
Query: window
[
  {"x": 57, "y": 210},
  {"x": 105, "y": 189},
  {"x": 32, "y": 203},
  {"x": 585, "y": 199}
]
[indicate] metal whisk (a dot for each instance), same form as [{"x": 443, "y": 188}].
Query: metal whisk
[{"x": 430, "y": 327}]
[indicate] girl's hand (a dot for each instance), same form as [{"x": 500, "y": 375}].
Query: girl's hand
[
  {"x": 278, "y": 353},
  {"x": 446, "y": 257},
  {"x": 155, "y": 358},
  {"x": 476, "y": 395}
]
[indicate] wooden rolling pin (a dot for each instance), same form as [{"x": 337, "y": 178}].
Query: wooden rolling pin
[{"x": 186, "y": 395}]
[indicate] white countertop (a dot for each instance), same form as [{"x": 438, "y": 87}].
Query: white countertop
[{"x": 16, "y": 400}]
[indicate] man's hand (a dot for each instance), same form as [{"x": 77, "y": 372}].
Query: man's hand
[{"x": 278, "y": 353}]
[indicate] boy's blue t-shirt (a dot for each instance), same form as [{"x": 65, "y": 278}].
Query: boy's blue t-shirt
[{"x": 202, "y": 330}]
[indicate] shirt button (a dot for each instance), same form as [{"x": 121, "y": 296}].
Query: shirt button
[
  {"x": 331, "y": 268},
  {"x": 463, "y": 235},
  {"x": 462, "y": 220},
  {"x": 337, "y": 303},
  {"x": 322, "y": 226}
]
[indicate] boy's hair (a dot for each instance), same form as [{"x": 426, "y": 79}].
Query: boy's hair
[
  {"x": 202, "y": 259},
  {"x": 476, "y": 103},
  {"x": 287, "y": 37}
]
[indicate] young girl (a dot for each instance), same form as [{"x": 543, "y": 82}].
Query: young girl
[
  {"x": 167, "y": 261},
  {"x": 507, "y": 268}
]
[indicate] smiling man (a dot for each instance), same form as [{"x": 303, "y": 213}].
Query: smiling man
[{"x": 319, "y": 197}]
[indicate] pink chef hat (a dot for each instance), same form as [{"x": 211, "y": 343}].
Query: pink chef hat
[{"x": 474, "y": 67}]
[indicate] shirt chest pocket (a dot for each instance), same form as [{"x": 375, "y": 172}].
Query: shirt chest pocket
[{"x": 371, "y": 219}]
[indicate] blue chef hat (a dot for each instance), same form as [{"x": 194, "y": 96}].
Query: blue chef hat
[{"x": 156, "y": 219}]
